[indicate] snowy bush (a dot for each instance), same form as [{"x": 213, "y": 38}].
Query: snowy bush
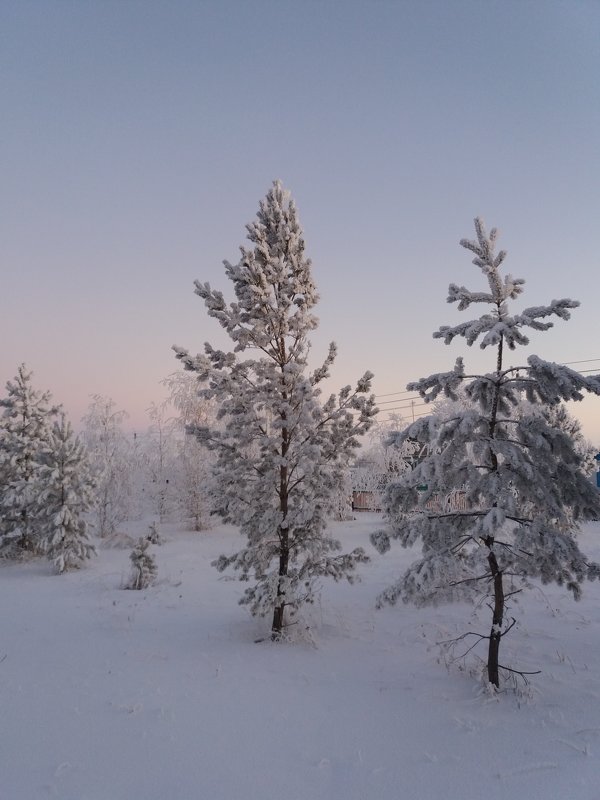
[
  {"x": 153, "y": 535},
  {"x": 143, "y": 566}
]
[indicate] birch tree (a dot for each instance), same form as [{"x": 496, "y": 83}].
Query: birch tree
[{"x": 110, "y": 457}]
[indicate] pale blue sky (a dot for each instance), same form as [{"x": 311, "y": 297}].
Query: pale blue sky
[{"x": 138, "y": 138}]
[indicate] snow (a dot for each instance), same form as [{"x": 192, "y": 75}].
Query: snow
[{"x": 108, "y": 694}]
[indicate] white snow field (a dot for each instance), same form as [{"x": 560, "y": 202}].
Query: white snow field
[{"x": 108, "y": 694}]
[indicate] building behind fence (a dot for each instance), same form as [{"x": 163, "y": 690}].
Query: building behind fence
[{"x": 371, "y": 499}]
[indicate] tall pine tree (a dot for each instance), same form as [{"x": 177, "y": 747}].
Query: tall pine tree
[
  {"x": 523, "y": 475},
  {"x": 279, "y": 450},
  {"x": 24, "y": 440}
]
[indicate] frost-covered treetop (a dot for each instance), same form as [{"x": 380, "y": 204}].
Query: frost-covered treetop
[
  {"x": 498, "y": 324},
  {"x": 23, "y": 401},
  {"x": 272, "y": 282}
]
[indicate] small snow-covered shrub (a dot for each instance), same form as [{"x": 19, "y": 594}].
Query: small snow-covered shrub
[
  {"x": 143, "y": 566},
  {"x": 153, "y": 534}
]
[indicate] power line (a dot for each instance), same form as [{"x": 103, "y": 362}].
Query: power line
[
  {"x": 405, "y": 408},
  {"x": 404, "y": 399},
  {"x": 389, "y": 394},
  {"x": 416, "y": 416}
]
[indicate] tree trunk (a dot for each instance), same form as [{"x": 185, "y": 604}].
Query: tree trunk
[
  {"x": 498, "y": 615},
  {"x": 284, "y": 550},
  {"x": 277, "y": 625},
  {"x": 496, "y": 632}
]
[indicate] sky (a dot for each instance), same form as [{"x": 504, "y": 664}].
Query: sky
[{"x": 139, "y": 137}]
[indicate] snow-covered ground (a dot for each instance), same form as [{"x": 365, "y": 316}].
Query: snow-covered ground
[{"x": 107, "y": 694}]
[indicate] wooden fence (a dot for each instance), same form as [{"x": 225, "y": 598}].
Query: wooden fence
[{"x": 439, "y": 503}]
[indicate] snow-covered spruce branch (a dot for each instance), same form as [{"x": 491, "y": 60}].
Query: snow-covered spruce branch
[{"x": 442, "y": 382}]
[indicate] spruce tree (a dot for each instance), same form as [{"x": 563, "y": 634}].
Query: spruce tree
[
  {"x": 523, "y": 476},
  {"x": 24, "y": 435},
  {"x": 67, "y": 495},
  {"x": 279, "y": 450}
]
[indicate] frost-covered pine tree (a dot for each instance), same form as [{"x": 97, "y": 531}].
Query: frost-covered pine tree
[
  {"x": 559, "y": 417},
  {"x": 67, "y": 495},
  {"x": 523, "y": 476},
  {"x": 279, "y": 450},
  {"x": 143, "y": 566},
  {"x": 24, "y": 432}
]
